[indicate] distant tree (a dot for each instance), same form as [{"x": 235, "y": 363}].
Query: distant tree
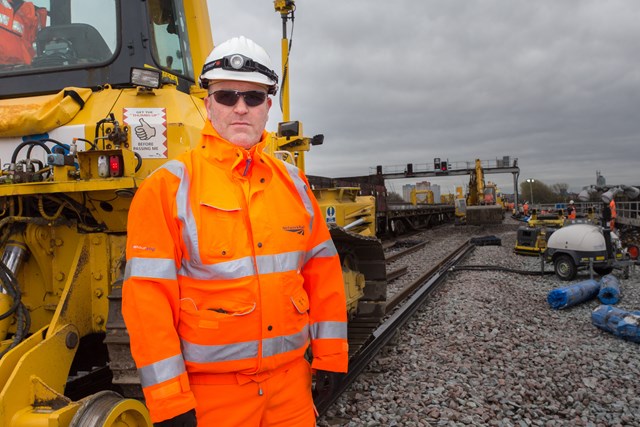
[
  {"x": 393, "y": 197},
  {"x": 538, "y": 191},
  {"x": 562, "y": 190}
]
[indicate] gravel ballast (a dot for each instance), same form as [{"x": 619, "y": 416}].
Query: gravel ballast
[{"x": 487, "y": 349}]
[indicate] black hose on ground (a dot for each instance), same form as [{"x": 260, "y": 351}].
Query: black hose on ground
[{"x": 500, "y": 268}]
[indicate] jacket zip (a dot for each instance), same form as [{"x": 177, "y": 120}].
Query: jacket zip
[
  {"x": 247, "y": 202},
  {"x": 246, "y": 168}
]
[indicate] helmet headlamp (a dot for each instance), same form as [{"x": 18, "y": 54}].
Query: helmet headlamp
[
  {"x": 240, "y": 63},
  {"x": 236, "y": 62}
]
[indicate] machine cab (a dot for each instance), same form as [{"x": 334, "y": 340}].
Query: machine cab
[{"x": 54, "y": 44}]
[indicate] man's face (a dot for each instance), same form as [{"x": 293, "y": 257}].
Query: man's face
[{"x": 239, "y": 124}]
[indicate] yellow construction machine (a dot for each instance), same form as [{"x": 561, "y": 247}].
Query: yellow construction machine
[
  {"x": 350, "y": 216},
  {"x": 480, "y": 206},
  {"x": 427, "y": 199},
  {"x": 108, "y": 96}
]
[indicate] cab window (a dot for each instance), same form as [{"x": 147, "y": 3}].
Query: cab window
[
  {"x": 169, "y": 37},
  {"x": 50, "y": 34}
]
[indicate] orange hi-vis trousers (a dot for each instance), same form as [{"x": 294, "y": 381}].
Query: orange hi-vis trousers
[{"x": 279, "y": 400}]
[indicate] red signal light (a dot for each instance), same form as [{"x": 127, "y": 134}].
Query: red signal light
[{"x": 116, "y": 166}]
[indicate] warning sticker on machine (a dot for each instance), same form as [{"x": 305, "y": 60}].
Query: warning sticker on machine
[
  {"x": 148, "y": 131},
  {"x": 331, "y": 215}
]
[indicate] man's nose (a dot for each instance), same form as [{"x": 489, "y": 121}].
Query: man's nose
[{"x": 241, "y": 106}]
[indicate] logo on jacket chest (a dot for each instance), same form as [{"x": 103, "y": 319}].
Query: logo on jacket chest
[{"x": 298, "y": 229}]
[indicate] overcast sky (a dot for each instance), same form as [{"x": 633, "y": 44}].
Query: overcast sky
[{"x": 555, "y": 84}]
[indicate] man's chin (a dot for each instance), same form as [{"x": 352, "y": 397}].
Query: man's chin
[{"x": 244, "y": 141}]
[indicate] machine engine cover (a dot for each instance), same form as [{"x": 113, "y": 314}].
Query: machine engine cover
[{"x": 580, "y": 238}]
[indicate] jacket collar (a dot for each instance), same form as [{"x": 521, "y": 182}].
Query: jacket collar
[{"x": 218, "y": 150}]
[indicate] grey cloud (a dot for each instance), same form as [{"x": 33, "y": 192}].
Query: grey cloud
[{"x": 555, "y": 84}]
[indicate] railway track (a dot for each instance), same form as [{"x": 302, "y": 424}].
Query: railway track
[{"x": 399, "y": 310}]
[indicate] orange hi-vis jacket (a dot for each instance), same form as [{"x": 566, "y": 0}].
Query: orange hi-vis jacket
[
  {"x": 230, "y": 272},
  {"x": 18, "y": 29},
  {"x": 612, "y": 206}
]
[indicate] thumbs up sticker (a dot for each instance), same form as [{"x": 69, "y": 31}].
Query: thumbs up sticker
[
  {"x": 145, "y": 131},
  {"x": 149, "y": 131}
]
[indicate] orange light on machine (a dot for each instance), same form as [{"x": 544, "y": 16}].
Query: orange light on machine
[{"x": 116, "y": 166}]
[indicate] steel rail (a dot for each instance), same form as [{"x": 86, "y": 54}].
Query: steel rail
[
  {"x": 405, "y": 252},
  {"x": 386, "y": 330},
  {"x": 408, "y": 290},
  {"x": 393, "y": 275}
]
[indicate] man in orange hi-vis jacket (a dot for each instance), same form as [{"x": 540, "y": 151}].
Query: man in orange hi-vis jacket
[
  {"x": 614, "y": 214},
  {"x": 231, "y": 271},
  {"x": 20, "y": 21}
]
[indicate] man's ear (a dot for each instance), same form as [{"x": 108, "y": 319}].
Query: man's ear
[{"x": 207, "y": 101}]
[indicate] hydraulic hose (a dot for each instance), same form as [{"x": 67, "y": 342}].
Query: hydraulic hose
[
  {"x": 10, "y": 283},
  {"x": 93, "y": 146},
  {"x": 15, "y": 298},
  {"x": 499, "y": 268},
  {"x": 33, "y": 142},
  {"x": 139, "y": 165}
]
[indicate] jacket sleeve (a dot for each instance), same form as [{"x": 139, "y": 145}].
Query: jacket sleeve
[
  {"x": 151, "y": 297},
  {"x": 324, "y": 284}
]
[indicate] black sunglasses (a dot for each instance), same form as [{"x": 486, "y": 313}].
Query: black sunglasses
[{"x": 252, "y": 98}]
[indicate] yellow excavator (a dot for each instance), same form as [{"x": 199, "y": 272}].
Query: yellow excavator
[
  {"x": 107, "y": 96},
  {"x": 481, "y": 204}
]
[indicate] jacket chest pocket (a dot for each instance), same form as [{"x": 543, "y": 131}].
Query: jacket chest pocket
[
  {"x": 222, "y": 231},
  {"x": 223, "y": 322}
]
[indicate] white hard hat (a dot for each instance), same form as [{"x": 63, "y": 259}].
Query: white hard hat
[
  {"x": 570, "y": 202},
  {"x": 239, "y": 59}
]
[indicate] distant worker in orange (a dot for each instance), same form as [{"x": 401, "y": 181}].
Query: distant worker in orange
[
  {"x": 614, "y": 214},
  {"x": 488, "y": 198},
  {"x": 571, "y": 210},
  {"x": 525, "y": 208},
  {"x": 231, "y": 271},
  {"x": 606, "y": 214},
  {"x": 20, "y": 22}
]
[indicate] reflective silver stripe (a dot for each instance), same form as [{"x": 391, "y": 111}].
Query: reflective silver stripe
[
  {"x": 279, "y": 263},
  {"x": 161, "y": 371},
  {"x": 328, "y": 330},
  {"x": 4, "y": 19},
  {"x": 302, "y": 190},
  {"x": 190, "y": 229},
  {"x": 151, "y": 268},
  {"x": 284, "y": 344},
  {"x": 236, "y": 269},
  {"x": 219, "y": 353},
  {"x": 17, "y": 27},
  {"x": 231, "y": 352},
  {"x": 243, "y": 267},
  {"x": 325, "y": 249}
]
